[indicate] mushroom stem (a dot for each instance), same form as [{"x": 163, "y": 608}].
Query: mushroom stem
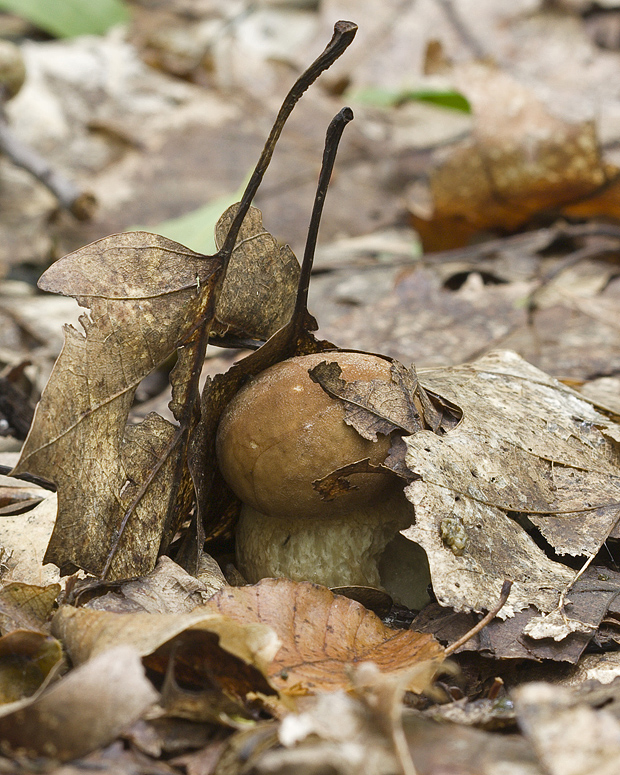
[{"x": 336, "y": 551}]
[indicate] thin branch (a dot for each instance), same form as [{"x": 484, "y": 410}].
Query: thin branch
[
  {"x": 332, "y": 141},
  {"x": 344, "y": 32},
  {"x": 80, "y": 204},
  {"x": 506, "y": 587}
]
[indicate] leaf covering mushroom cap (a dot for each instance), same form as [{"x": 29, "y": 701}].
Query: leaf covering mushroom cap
[{"x": 282, "y": 432}]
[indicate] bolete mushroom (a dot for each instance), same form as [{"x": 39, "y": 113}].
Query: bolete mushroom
[{"x": 279, "y": 434}]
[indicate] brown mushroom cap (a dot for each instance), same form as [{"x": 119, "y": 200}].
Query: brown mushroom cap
[{"x": 282, "y": 431}]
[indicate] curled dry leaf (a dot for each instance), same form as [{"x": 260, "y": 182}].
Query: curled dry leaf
[
  {"x": 323, "y": 634},
  {"x": 83, "y": 711},
  {"x": 526, "y": 445},
  {"x": 221, "y": 660},
  {"x": 258, "y": 294}
]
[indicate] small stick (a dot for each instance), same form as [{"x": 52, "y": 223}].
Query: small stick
[
  {"x": 344, "y": 32},
  {"x": 80, "y": 204},
  {"x": 332, "y": 140},
  {"x": 506, "y": 587}
]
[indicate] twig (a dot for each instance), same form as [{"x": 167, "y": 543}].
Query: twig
[
  {"x": 506, "y": 587},
  {"x": 79, "y": 203}
]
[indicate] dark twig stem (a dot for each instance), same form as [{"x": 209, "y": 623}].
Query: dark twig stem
[
  {"x": 506, "y": 587},
  {"x": 79, "y": 203},
  {"x": 332, "y": 141},
  {"x": 344, "y": 32}
]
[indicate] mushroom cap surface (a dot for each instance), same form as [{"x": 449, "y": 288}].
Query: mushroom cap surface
[{"x": 282, "y": 431}]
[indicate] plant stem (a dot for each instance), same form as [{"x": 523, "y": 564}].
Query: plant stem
[{"x": 344, "y": 32}]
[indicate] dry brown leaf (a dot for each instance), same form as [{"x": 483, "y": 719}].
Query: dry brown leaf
[
  {"x": 86, "y": 633},
  {"x": 323, "y": 634},
  {"x": 168, "y": 589},
  {"x": 258, "y": 294},
  {"x": 376, "y": 406},
  {"x": 520, "y": 160},
  {"x": 25, "y": 606},
  {"x": 27, "y": 657},
  {"x": 86, "y": 709},
  {"x": 145, "y": 294},
  {"x": 221, "y": 661}
]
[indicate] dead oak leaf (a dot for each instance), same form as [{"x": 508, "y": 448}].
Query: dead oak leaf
[
  {"x": 122, "y": 484},
  {"x": 323, "y": 635}
]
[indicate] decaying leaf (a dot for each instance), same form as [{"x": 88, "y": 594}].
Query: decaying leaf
[
  {"x": 258, "y": 294},
  {"x": 116, "y": 484},
  {"x": 322, "y": 635},
  {"x": 221, "y": 661},
  {"x": 168, "y": 589},
  {"x": 526, "y": 445},
  {"x": 519, "y": 160},
  {"x": 86, "y": 709}
]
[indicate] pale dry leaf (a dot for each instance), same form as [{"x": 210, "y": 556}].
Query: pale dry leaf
[
  {"x": 323, "y": 634},
  {"x": 568, "y": 737},
  {"x": 86, "y": 633},
  {"x": 168, "y": 589},
  {"x": 526, "y": 444},
  {"x": 85, "y": 710},
  {"x": 24, "y": 539}
]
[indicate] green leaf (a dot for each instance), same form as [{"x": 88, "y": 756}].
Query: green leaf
[
  {"x": 196, "y": 229},
  {"x": 387, "y": 98},
  {"x": 68, "y": 18}
]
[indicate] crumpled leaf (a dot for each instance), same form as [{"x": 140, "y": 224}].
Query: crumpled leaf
[
  {"x": 323, "y": 634},
  {"x": 25, "y": 606},
  {"x": 121, "y": 490},
  {"x": 86, "y": 709},
  {"x": 526, "y": 444},
  {"x": 168, "y": 589},
  {"x": 258, "y": 294},
  {"x": 376, "y": 406}
]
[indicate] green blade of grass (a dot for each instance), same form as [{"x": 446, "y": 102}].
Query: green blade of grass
[{"x": 68, "y": 18}]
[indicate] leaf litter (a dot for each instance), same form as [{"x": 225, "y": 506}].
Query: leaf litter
[{"x": 502, "y": 462}]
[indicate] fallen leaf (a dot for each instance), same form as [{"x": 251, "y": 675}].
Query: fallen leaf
[
  {"x": 526, "y": 445},
  {"x": 258, "y": 294},
  {"x": 323, "y": 634},
  {"x": 83, "y": 711},
  {"x": 568, "y": 737},
  {"x": 168, "y": 589},
  {"x": 221, "y": 662},
  {"x": 24, "y": 539},
  {"x": 520, "y": 160}
]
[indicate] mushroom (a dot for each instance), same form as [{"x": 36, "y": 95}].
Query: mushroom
[{"x": 279, "y": 434}]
